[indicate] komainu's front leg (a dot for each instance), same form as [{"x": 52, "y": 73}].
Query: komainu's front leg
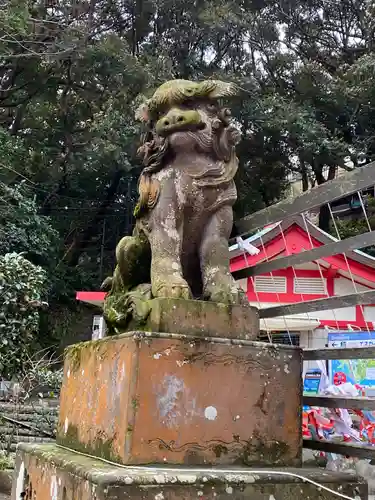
[
  {"x": 133, "y": 260},
  {"x": 165, "y": 240},
  {"x": 218, "y": 283}
]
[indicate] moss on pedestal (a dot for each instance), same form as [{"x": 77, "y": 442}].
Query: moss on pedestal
[
  {"x": 99, "y": 447},
  {"x": 73, "y": 353}
]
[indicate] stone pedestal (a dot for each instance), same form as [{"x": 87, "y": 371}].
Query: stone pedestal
[
  {"x": 158, "y": 398},
  {"x": 194, "y": 393},
  {"x": 200, "y": 319},
  {"x": 46, "y": 472}
]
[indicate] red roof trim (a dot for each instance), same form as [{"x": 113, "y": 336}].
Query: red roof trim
[{"x": 91, "y": 296}]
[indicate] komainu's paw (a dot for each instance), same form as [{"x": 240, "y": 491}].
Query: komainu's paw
[
  {"x": 232, "y": 297},
  {"x": 173, "y": 290},
  {"x": 225, "y": 291}
]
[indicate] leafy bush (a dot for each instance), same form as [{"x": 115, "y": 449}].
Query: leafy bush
[
  {"x": 6, "y": 461},
  {"x": 21, "y": 289},
  {"x": 40, "y": 372},
  {"x": 354, "y": 227}
]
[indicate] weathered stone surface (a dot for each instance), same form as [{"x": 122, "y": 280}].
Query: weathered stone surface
[
  {"x": 6, "y": 481},
  {"x": 51, "y": 473},
  {"x": 157, "y": 398},
  {"x": 199, "y": 318},
  {"x": 184, "y": 216}
]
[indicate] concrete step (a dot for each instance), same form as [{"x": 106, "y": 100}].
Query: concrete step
[{"x": 52, "y": 472}]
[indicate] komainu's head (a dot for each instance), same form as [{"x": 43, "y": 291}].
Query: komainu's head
[
  {"x": 181, "y": 92},
  {"x": 184, "y": 116}
]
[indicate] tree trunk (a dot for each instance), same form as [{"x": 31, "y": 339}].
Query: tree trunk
[
  {"x": 305, "y": 178},
  {"x": 82, "y": 239},
  {"x": 324, "y": 218}
]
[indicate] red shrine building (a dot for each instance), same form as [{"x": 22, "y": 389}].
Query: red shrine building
[{"x": 330, "y": 276}]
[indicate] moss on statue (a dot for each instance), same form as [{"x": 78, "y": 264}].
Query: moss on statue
[
  {"x": 137, "y": 311},
  {"x": 120, "y": 309}
]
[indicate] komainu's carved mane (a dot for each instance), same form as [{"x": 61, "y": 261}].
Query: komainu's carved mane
[{"x": 153, "y": 154}]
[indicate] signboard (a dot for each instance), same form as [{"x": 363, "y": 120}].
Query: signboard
[
  {"x": 312, "y": 381},
  {"x": 356, "y": 371},
  {"x": 98, "y": 328}
]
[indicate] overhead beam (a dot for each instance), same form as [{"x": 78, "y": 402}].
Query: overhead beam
[
  {"x": 335, "y": 248},
  {"x": 310, "y": 306},
  {"x": 356, "y": 180},
  {"x": 346, "y": 449},
  {"x": 343, "y": 353},
  {"x": 340, "y": 402}
]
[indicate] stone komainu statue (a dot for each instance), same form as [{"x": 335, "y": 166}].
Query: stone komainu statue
[{"x": 179, "y": 247}]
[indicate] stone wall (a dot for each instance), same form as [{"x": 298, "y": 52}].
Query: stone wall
[{"x": 26, "y": 422}]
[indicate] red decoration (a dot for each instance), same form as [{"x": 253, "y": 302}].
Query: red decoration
[{"x": 339, "y": 378}]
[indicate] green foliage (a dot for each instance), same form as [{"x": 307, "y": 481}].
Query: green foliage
[
  {"x": 13, "y": 19},
  {"x": 6, "y": 460},
  {"x": 22, "y": 285},
  {"x": 347, "y": 228},
  {"x": 22, "y": 229},
  {"x": 39, "y": 372},
  {"x": 353, "y": 227},
  {"x": 45, "y": 377}
]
